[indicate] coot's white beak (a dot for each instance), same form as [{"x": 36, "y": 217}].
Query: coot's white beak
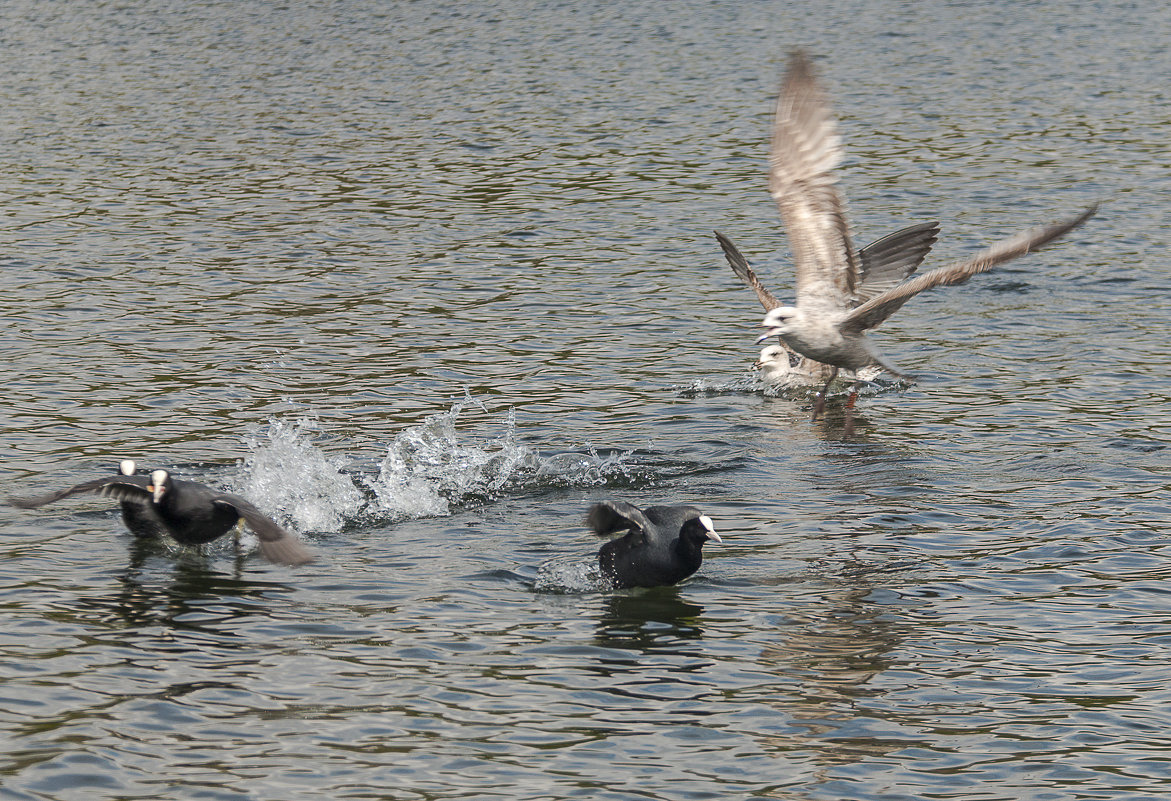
[
  {"x": 157, "y": 486},
  {"x": 706, "y": 522}
]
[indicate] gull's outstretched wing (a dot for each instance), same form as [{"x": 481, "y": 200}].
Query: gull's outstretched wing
[
  {"x": 883, "y": 263},
  {"x": 740, "y": 267},
  {"x": 876, "y": 310},
  {"x": 805, "y": 149},
  {"x": 892, "y": 259}
]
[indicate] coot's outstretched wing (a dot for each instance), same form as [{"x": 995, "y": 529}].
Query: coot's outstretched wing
[
  {"x": 132, "y": 489},
  {"x": 611, "y": 517},
  {"x": 276, "y": 544}
]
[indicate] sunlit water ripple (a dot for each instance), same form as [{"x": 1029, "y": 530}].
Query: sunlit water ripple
[{"x": 425, "y": 283}]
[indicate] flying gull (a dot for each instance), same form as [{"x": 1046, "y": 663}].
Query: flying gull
[
  {"x": 881, "y": 265},
  {"x": 835, "y": 304}
]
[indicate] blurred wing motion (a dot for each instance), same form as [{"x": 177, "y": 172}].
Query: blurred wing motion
[
  {"x": 131, "y": 489},
  {"x": 877, "y": 309},
  {"x": 276, "y": 544},
  {"x": 805, "y": 150}
]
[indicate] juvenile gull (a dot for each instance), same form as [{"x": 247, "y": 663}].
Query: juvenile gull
[
  {"x": 784, "y": 369},
  {"x": 834, "y": 309},
  {"x": 662, "y": 544},
  {"x": 191, "y": 513},
  {"x": 880, "y": 265}
]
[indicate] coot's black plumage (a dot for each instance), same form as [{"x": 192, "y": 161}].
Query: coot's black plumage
[
  {"x": 189, "y": 512},
  {"x": 140, "y": 518},
  {"x": 663, "y": 544}
]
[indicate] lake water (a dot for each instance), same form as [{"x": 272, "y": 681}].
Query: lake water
[{"x": 426, "y": 280}]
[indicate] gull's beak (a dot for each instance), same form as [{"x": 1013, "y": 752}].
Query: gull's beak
[{"x": 772, "y": 332}]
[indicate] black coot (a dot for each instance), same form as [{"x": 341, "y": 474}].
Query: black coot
[
  {"x": 663, "y": 544},
  {"x": 189, "y": 512},
  {"x": 140, "y": 518}
]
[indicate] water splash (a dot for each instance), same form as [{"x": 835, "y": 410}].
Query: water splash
[
  {"x": 711, "y": 386},
  {"x": 796, "y": 388},
  {"x": 290, "y": 477},
  {"x": 427, "y": 468},
  {"x": 427, "y": 471},
  {"x": 588, "y": 468},
  {"x": 566, "y": 577}
]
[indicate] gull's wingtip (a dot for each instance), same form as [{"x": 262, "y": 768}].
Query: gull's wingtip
[
  {"x": 1088, "y": 213},
  {"x": 799, "y": 60},
  {"x": 1057, "y": 230},
  {"x": 798, "y": 68}
]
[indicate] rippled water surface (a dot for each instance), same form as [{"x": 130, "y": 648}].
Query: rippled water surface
[{"x": 427, "y": 280}]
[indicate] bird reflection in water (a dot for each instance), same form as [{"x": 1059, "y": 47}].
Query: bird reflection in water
[
  {"x": 826, "y": 660},
  {"x": 157, "y": 589},
  {"x": 651, "y": 647},
  {"x": 648, "y": 620}
]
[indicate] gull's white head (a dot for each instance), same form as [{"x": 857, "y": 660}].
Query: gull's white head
[
  {"x": 127, "y": 467},
  {"x": 774, "y": 364},
  {"x": 160, "y": 482},
  {"x": 772, "y": 356},
  {"x": 779, "y": 321}
]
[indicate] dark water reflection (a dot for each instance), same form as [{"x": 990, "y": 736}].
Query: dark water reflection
[
  {"x": 649, "y": 621},
  {"x": 316, "y": 254},
  {"x": 185, "y": 593}
]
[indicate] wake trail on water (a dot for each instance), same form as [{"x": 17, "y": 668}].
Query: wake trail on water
[{"x": 796, "y": 389}]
